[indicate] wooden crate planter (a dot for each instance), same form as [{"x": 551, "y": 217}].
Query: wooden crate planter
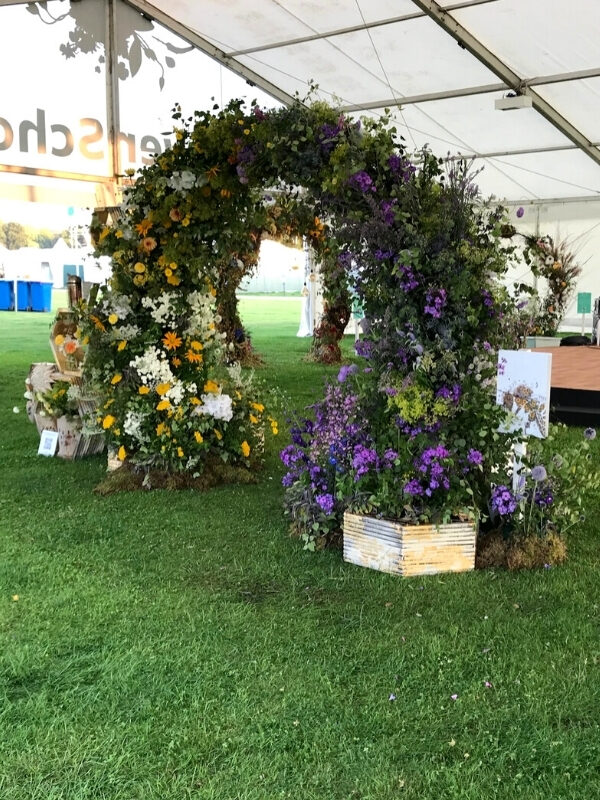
[
  {"x": 408, "y": 550},
  {"x": 69, "y": 364}
]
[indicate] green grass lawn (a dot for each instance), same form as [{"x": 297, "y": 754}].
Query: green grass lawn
[{"x": 180, "y": 645}]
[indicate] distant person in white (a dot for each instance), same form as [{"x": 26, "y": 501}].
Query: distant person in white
[{"x": 306, "y": 328}]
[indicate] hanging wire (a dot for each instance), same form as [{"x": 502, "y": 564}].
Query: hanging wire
[{"x": 390, "y": 87}]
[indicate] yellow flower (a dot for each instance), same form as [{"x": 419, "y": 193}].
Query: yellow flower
[
  {"x": 163, "y": 388},
  {"x": 85, "y": 340},
  {"x": 119, "y": 234},
  {"x": 139, "y": 267},
  {"x": 168, "y": 272},
  {"x": 186, "y": 220},
  {"x": 109, "y": 402},
  {"x": 245, "y": 448},
  {"x": 198, "y": 437},
  {"x": 246, "y": 131},
  {"x": 163, "y": 405},
  {"x": 180, "y": 452},
  {"x": 218, "y": 434},
  {"x": 171, "y": 340},
  {"x": 161, "y": 429},
  {"x": 195, "y": 401},
  {"x": 113, "y": 318},
  {"x": 176, "y": 361},
  {"x": 253, "y": 419},
  {"x": 194, "y": 358},
  {"x": 196, "y": 345},
  {"x": 173, "y": 280},
  {"x": 108, "y": 421},
  {"x": 162, "y": 261},
  {"x": 104, "y": 233},
  {"x": 143, "y": 227},
  {"x": 173, "y": 265},
  {"x": 122, "y": 454},
  {"x": 59, "y": 340},
  {"x": 122, "y": 345},
  {"x": 116, "y": 379},
  {"x": 139, "y": 280},
  {"x": 211, "y": 386},
  {"x": 225, "y": 193},
  {"x": 143, "y": 390},
  {"x": 258, "y": 407}
]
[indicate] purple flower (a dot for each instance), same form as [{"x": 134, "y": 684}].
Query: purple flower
[
  {"x": 326, "y": 502},
  {"x": 363, "y": 460},
  {"x": 589, "y": 434},
  {"x": 520, "y": 212},
  {"x": 346, "y": 370},
  {"x": 413, "y": 488},
  {"x": 503, "y": 501},
  {"x": 539, "y": 473},
  {"x": 362, "y": 181},
  {"x": 435, "y": 301},
  {"x": 474, "y": 457}
]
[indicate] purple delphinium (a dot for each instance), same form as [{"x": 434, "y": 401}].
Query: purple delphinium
[
  {"x": 363, "y": 348},
  {"x": 401, "y": 166},
  {"x": 435, "y": 300},
  {"x": 503, "y": 501}
]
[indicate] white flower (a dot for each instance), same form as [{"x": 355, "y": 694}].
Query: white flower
[
  {"x": 218, "y": 406},
  {"x": 153, "y": 367},
  {"x": 16, "y": 410},
  {"x": 161, "y": 308},
  {"x": 182, "y": 181},
  {"x": 133, "y": 425}
]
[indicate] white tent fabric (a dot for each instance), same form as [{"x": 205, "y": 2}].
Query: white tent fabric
[
  {"x": 381, "y": 53},
  {"x": 438, "y": 65}
]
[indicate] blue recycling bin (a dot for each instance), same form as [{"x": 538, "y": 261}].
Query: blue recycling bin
[
  {"x": 24, "y": 295},
  {"x": 41, "y": 296},
  {"x": 7, "y": 296}
]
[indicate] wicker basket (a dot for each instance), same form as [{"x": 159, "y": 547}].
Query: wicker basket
[{"x": 409, "y": 549}]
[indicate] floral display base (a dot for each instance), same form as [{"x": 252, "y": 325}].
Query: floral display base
[
  {"x": 409, "y": 549},
  {"x": 43, "y": 422}
]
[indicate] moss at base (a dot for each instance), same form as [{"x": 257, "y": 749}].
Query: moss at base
[
  {"x": 129, "y": 479},
  {"x": 533, "y": 552}
]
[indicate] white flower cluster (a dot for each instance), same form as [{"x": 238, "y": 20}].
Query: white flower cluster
[
  {"x": 182, "y": 181},
  {"x": 126, "y": 332},
  {"x": 162, "y": 308},
  {"x": 176, "y": 392},
  {"x": 133, "y": 425},
  {"x": 218, "y": 406},
  {"x": 152, "y": 367},
  {"x": 202, "y": 320}
]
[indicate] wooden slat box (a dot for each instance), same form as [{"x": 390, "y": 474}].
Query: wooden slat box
[{"x": 409, "y": 549}]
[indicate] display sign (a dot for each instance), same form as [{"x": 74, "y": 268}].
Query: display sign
[
  {"x": 584, "y": 302},
  {"x": 48, "y": 443},
  {"x": 523, "y": 389}
]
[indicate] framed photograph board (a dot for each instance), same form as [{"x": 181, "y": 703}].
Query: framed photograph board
[{"x": 524, "y": 389}]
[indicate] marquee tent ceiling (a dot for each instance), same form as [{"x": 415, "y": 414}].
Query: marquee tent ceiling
[{"x": 438, "y": 66}]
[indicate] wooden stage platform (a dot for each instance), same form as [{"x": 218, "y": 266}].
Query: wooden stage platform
[{"x": 575, "y": 384}]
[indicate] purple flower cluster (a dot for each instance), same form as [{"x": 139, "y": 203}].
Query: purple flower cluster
[
  {"x": 362, "y": 181},
  {"x": 488, "y": 301},
  {"x": 407, "y": 278},
  {"x": 452, "y": 393},
  {"x": 364, "y": 348},
  {"x": 475, "y": 457},
  {"x": 435, "y": 301},
  {"x": 328, "y": 134},
  {"x": 365, "y": 459},
  {"x": 433, "y": 473},
  {"x": 387, "y": 211},
  {"x": 326, "y": 502},
  {"x": 503, "y": 501},
  {"x": 401, "y": 166},
  {"x": 543, "y": 496}
]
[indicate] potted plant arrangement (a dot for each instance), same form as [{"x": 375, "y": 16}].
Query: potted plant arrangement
[
  {"x": 59, "y": 404},
  {"x": 402, "y": 450}
]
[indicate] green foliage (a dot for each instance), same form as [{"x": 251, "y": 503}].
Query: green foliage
[{"x": 58, "y": 400}]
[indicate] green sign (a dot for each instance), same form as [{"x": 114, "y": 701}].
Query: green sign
[{"x": 584, "y": 302}]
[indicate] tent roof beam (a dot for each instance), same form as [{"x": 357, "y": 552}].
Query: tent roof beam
[
  {"x": 490, "y": 60},
  {"x": 559, "y": 77},
  {"x": 350, "y": 29}
]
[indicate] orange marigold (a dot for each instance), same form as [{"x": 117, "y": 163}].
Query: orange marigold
[{"x": 171, "y": 340}]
